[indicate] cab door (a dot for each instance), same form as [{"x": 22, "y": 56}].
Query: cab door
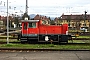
[{"x": 25, "y": 29}]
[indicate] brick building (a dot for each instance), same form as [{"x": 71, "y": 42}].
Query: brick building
[{"x": 44, "y": 18}]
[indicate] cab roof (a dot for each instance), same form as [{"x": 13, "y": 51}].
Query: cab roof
[{"x": 29, "y": 20}]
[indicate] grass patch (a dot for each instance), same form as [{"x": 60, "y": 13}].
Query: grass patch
[
  {"x": 45, "y": 46},
  {"x": 79, "y": 41},
  {"x": 83, "y": 37},
  {"x": 5, "y": 37}
]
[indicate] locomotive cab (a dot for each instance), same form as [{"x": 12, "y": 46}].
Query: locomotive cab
[{"x": 29, "y": 30}]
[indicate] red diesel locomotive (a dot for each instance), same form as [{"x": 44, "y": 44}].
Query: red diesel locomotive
[{"x": 34, "y": 31}]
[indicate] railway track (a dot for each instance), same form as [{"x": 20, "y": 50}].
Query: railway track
[
  {"x": 85, "y": 40},
  {"x": 80, "y": 38},
  {"x": 72, "y": 38},
  {"x": 49, "y": 43},
  {"x": 27, "y": 50},
  {"x": 10, "y": 42}
]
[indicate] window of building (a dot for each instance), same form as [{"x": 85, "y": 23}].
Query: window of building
[
  {"x": 69, "y": 24},
  {"x": 1, "y": 22},
  {"x": 84, "y": 24},
  {"x": 88, "y": 20},
  {"x": 43, "y": 22}
]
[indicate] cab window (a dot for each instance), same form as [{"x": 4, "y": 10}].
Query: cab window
[
  {"x": 32, "y": 25},
  {"x": 25, "y": 25}
]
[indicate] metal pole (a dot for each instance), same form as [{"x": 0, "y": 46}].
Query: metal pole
[
  {"x": 7, "y": 25},
  {"x": 26, "y": 6},
  {"x": 85, "y": 18}
]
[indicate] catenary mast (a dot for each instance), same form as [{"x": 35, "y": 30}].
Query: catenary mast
[{"x": 26, "y": 7}]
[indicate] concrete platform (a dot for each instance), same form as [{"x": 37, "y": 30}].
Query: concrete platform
[{"x": 46, "y": 55}]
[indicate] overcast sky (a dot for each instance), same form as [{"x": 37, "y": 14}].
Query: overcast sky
[{"x": 53, "y": 8}]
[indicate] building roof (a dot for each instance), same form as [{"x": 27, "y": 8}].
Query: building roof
[
  {"x": 75, "y": 17},
  {"x": 39, "y": 17}
]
